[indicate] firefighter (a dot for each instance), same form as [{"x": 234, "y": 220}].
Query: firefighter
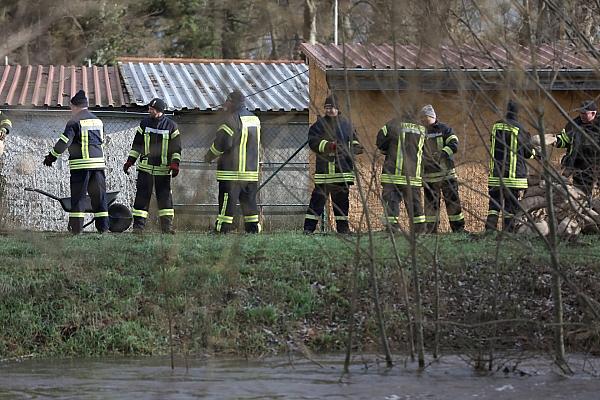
[
  {"x": 581, "y": 139},
  {"x": 83, "y": 137},
  {"x": 401, "y": 141},
  {"x": 157, "y": 146},
  {"x": 510, "y": 148},
  {"x": 335, "y": 143},
  {"x": 5, "y": 127},
  {"x": 439, "y": 174},
  {"x": 237, "y": 145}
]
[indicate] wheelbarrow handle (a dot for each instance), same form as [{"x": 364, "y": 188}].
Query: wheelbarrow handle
[{"x": 28, "y": 189}]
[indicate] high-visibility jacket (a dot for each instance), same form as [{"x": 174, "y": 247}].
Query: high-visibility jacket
[
  {"x": 157, "y": 143},
  {"x": 402, "y": 143},
  {"x": 439, "y": 138},
  {"x": 84, "y": 137},
  {"x": 336, "y": 166},
  {"x": 5, "y": 123},
  {"x": 582, "y": 142},
  {"x": 510, "y": 148},
  {"x": 237, "y": 144}
]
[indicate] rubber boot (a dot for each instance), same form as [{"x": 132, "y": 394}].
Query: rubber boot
[
  {"x": 75, "y": 225},
  {"x": 252, "y": 227},
  {"x": 508, "y": 225},
  {"x": 430, "y": 227},
  {"x": 394, "y": 228},
  {"x": 342, "y": 227},
  {"x": 139, "y": 223},
  {"x": 166, "y": 225},
  {"x": 420, "y": 228},
  {"x": 458, "y": 226},
  {"x": 491, "y": 223}
]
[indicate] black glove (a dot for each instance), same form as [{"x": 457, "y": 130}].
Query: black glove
[
  {"x": 49, "y": 159},
  {"x": 209, "y": 156},
  {"x": 126, "y": 166}
]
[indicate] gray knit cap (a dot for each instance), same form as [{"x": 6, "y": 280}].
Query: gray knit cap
[{"x": 428, "y": 111}]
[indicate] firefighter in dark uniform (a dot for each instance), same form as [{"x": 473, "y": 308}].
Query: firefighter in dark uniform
[
  {"x": 439, "y": 174},
  {"x": 581, "y": 139},
  {"x": 84, "y": 137},
  {"x": 510, "y": 148},
  {"x": 401, "y": 141},
  {"x": 335, "y": 143},
  {"x": 157, "y": 146},
  {"x": 237, "y": 146}
]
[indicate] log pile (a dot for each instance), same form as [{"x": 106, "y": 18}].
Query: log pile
[{"x": 575, "y": 214}]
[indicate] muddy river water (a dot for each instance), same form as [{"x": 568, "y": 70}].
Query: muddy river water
[{"x": 284, "y": 378}]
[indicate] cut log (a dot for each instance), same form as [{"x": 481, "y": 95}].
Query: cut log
[
  {"x": 568, "y": 227},
  {"x": 530, "y": 204}
]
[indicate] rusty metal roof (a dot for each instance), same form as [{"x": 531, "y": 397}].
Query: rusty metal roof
[
  {"x": 53, "y": 86},
  {"x": 410, "y": 57},
  {"x": 204, "y": 84}
]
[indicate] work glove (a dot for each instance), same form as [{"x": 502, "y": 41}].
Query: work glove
[
  {"x": 209, "y": 156},
  {"x": 357, "y": 148},
  {"x": 3, "y": 133},
  {"x": 442, "y": 159},
  {"x": 49, "y": 159},
  {"x": 126, "y": 166},
  {"x": 330, "y": 147},
  {"x": 174, "y": 168}
]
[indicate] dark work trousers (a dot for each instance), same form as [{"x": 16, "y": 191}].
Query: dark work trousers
[
  {"x": 411, "y": 195},
  {"x": 90, "y": 182},
  {"x": 230, "y": 194},
  {"x": 449, "y": 189},
  {"x": 162, "y": 186},
  {"x": 502, "y": 199},
  {"x": 339, "y": 193}
]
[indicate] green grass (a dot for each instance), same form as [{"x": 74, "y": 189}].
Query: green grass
[{"x": 95, "y": 295}]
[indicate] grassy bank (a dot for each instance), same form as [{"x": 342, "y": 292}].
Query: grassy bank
[{"x": 252, "y": 295}]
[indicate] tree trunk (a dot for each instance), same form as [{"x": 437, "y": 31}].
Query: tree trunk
[
  {"x": 310, "y": 21},
  {"x": 230, "y": 37}
]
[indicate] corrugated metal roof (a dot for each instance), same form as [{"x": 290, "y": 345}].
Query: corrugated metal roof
[
  {"x": 370, "y": 56},
  {"x": 53, "y": 86},
  {"x": 204, "y": 84}
]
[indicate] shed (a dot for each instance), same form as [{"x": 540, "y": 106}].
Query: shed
[
  {"x": 37, "y": 99},
  {"x": 468, "y": 87}
]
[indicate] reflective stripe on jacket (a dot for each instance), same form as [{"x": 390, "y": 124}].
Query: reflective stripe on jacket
[
  {"x": 582, "y": 142},
  {"x": 439, "y": 138},
  {"x": 510, "y": 147},
  {"x": 84, "y": 138},
  {"x": 402, "y": 143},
  {"x": 157, "y": 143},
  {"x": 237, "y": 144},
  {"x": 336, "y": 166}
]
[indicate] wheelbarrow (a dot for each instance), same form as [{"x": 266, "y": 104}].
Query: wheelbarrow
[{"x": 119, "y": 216}]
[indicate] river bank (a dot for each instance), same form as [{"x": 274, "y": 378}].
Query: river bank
[{"x": 252, "y": 296}]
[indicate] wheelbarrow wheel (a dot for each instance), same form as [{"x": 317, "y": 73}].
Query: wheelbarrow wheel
[{"x": 119, "y": 218}]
